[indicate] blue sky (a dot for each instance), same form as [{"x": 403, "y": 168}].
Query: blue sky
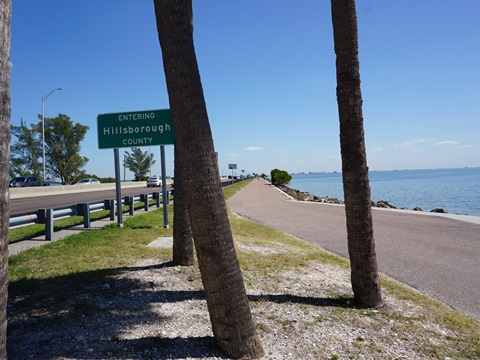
[{"x": 268, "y": 73}]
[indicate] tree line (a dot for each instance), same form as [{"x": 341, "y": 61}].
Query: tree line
[
  {"x": 62, "y": 149},
  {"x": 63, "y": 160}
]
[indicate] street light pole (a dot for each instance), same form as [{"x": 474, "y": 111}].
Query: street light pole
[{"x": 43, "y": 127}]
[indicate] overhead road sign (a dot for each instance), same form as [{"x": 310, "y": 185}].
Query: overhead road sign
[{"x": 135, "y": 129}]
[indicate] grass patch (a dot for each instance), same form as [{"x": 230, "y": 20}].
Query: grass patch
[
  {"x": 288, "y": 251},
  {"x": 36, "y": 230},
  {"x": 91, "y": 250},
  {"x": 231, "y": 190},
  {"x": 51, "y": 272}
]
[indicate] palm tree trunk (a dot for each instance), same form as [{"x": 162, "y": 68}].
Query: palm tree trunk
[
  {"x": 5, "y": 67},
  {"x": 182, "y": 231},
  {"x": 227, "y": 300},
  {"x": 361, "y": 243}
]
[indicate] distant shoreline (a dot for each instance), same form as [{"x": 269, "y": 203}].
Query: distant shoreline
[
  {"x": 370, "y": 171},
  {"x": 306, "y": 196},
  {"x": 453, "y": 190},
  {"x": 384, "y": 205}
]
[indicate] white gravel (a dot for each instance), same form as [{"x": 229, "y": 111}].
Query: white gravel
[{"x": 156, "y": 311}]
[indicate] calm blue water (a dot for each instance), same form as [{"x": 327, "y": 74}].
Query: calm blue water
[{"x": 457, "y": 191}]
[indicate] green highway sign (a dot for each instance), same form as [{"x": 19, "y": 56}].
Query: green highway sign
[{"x": 135, "y": 129}]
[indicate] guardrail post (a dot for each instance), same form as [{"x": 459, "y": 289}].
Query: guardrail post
[
  {"x": 110, "y": 205},
  {"x": 112, "y": 209},
  {"x": 84, "y": 210},
  {"x": 41, "y": 215},
  {"x": 144, "y": 198},
  {"x": 86, "y": 215},
  {"x": 131, "y": 207},
  {"x": 131, "y": 204},
  {"x": 49, "y": 224},
  {"x": 156, "y": 196}
]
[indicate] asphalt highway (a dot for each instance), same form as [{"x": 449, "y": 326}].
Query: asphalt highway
[
  {"x": 433, "y": 253},
  {"x": 49, "y": 201}
]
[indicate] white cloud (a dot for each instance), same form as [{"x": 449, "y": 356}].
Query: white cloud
[
  {"x": 253, "y": 148},
  {"x": 414, "y": 142},
  {"x": 338, "y": 156},
  {"x": 447, "y": 142},
  {"x": 232, "y": 156}
]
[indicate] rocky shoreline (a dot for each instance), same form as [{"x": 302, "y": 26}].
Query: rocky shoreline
[{"x": 306, "y": 196}]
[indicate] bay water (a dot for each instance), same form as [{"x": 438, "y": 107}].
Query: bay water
[{"x": 457, "y": 191}]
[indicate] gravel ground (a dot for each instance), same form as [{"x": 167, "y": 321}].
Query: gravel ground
[{"x": 157, "y": 311}]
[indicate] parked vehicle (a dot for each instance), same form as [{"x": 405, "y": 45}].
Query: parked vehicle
[
  {"x": 27, "y": 181},
  {"x": 87, "y": 181},
  {"x": 154, "y": 181}
]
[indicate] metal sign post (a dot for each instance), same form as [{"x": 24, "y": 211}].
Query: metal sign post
[
  {"x": 136, "y": 129},
  {"x": 232, "y": 167},
  {"x": 164, "y": 188},
  {"x": 118, "y": 187}
]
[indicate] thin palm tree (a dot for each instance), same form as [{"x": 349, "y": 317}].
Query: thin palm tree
[
  {"x": 356, "y": 186},
  {"x": 226, "y": 296},
  {"x": 182, "y": 231},
  {"x": 5, "y": 68}
]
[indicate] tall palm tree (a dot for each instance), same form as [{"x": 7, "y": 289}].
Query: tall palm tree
[
  {"x": 182, "y": 231},
  {"x": 356, "y": 186},
  {"x": 5, "y": 67},
  {"x": 227, "y": 300}
]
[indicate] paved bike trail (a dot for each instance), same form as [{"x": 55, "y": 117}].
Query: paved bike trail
[{"x": 438, "y": 254}]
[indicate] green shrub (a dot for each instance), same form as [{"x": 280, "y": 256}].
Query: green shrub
[{"x": 280, "y": 177}]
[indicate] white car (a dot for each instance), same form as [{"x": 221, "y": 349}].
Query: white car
[
  {"x": 87, "y": 181},
  {"x": 154, "y": 181}
]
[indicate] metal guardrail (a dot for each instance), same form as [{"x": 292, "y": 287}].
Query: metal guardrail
[
  {"x": 47, "y": 216},
  {"x": 22, "y": 219}
]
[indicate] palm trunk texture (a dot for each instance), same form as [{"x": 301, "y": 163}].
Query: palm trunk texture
[
  {"x": 182, "y": 231},
  {"x": 361, "y": 243},
  {"x": 227, "y": 301},
  {"x": 5, "y": 68}
]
